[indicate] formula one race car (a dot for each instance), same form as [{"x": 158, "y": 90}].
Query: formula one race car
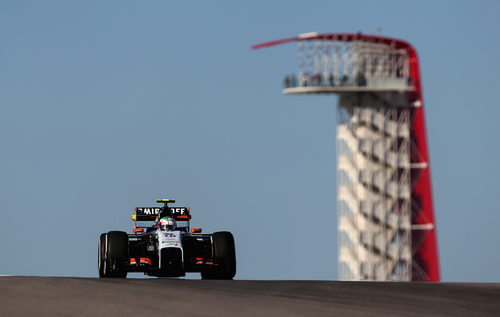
[{"x": 163, "y": 245}]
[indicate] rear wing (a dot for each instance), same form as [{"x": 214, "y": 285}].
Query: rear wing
[
  {"x": 150, "y": 213},
  {"x": 144, "y": 217}
]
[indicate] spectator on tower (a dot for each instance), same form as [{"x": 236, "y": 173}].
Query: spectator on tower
[
  {"x": 287, "y": 81},
  {"x": 344, "y": 79},
  {"x": 305, "y": 78},
  {"x": 317, "y": 79},
  {"x": 360, "y": 79},
  {"x": 330, "y": 80}
]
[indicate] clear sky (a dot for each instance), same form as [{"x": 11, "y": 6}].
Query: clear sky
[{"x": 107, "y": 105}]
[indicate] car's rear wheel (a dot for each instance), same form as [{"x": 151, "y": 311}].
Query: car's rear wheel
[
  {"x": 115, "y": 255},
  {"x": 224, "y": 255}
]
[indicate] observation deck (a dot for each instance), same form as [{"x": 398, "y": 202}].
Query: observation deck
[
  {"x": 344, "y": 63},
  {"x": 309, "y": 85}
]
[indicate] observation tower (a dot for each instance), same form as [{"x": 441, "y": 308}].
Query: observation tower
[{"x": 385, "y": 211}]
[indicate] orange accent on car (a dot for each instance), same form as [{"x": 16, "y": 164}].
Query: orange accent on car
[
  {"x": 132, "y": 261},
  {"x": 135, "y": 230},
  {"x": 196, "y": 230},
  {"x": 145, "y": 261}
]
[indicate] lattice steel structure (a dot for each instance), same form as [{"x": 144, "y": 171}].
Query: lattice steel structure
[{"x": 386, "y": 217}]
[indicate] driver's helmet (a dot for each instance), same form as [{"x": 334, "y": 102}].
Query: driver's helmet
[{"x": 167, "y": 224}]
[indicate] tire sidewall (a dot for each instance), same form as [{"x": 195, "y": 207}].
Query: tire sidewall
[
  {"x": 101, "y": 257},
  {"x": 116, "y": 251},
  {"x": 225, "y": 254}
]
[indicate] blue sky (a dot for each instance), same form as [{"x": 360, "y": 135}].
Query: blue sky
[{"x": 109, "y": 105}]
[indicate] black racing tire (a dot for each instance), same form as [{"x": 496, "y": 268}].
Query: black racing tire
[
  {"x": 116, "y": 254},
  {"x": 100, "y": 254},
  {"x": 224, "y": 254}
]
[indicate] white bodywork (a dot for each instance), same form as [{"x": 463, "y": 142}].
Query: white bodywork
[{"x": 169, "y": 239}]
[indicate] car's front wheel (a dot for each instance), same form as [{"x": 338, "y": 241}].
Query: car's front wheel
[
  {"x": 113, "y": 254},
  {"x": 224, "y": 254}
]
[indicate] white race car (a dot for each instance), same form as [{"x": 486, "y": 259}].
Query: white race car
[{"x": 162, "y": 244}]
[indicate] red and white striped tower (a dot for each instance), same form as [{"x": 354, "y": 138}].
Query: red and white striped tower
[{"x": 386, "y": 218}]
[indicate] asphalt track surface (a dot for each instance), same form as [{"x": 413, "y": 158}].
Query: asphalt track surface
[{"x": 57, "y": 296}]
